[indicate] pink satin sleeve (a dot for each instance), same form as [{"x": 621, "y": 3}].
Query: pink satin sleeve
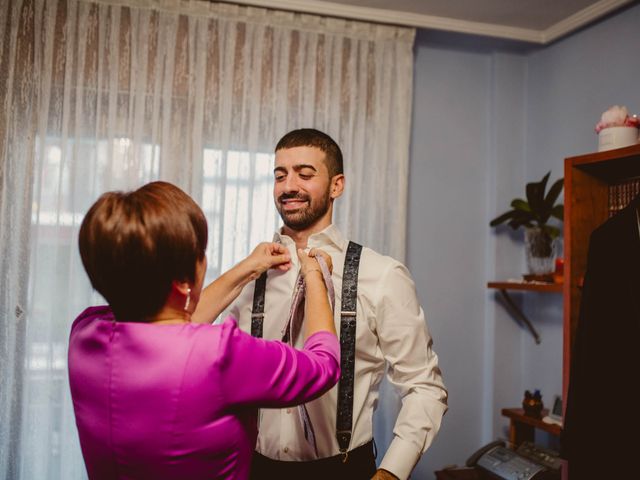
[{"x": 272, "y": 374}]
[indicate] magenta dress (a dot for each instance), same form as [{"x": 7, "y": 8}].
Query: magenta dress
[{"x": 180, "y": 401}]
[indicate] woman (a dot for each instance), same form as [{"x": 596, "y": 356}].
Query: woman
[{"x": 155, "y": 395}]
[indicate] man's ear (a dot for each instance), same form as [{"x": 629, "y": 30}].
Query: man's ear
[{"x": 337, "y": 186}]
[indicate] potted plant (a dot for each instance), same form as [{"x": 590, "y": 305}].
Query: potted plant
[{"x": 534, "y": 215}]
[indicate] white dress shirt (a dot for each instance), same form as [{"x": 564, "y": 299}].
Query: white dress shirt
[{"x": 390, "y": 328}]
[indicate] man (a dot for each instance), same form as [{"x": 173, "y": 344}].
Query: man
[{"x": 325, "y": 439}]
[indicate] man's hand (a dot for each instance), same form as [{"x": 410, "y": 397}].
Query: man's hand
[
  {"x": 269, "y": 255},
  {"x": 383, "y": 475}
]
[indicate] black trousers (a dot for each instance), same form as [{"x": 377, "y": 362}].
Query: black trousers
[{"x": 360, "y": 465}]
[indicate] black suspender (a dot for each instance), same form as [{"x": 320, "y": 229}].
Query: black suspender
[
  {"x": 257, "y": 311},
  {"x": 344, "y": 419}
]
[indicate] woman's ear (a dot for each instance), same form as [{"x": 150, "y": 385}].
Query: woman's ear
[
  {"x": 181, "y": 288},
  {"x": 181, "y": 291}
]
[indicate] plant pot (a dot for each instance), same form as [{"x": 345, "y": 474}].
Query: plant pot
[{"x": 541, "y": 251}]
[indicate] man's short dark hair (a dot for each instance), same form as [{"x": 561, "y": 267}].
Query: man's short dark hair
[
  {"x": 135, "y": 244},
  {"x": 309, "y": 137}
]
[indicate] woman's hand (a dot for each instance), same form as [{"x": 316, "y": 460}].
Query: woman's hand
[
  {"x": 268, "y": 255},
  {"x": 222, "y": 291},
  {"x": 308, "y": 262}
]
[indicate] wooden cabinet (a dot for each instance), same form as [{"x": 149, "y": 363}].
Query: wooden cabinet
[{"x": 597, "y": 186}]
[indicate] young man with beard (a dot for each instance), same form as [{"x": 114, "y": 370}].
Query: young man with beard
[{"x": 380, "y": 322}]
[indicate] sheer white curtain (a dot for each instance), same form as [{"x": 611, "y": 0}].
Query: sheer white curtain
[{"x": 103, "y": 95}]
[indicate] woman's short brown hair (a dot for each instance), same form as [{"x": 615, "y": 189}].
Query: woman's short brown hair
[{"x": 135, "y": 244}]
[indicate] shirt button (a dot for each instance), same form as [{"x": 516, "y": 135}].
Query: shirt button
[
  {"x": 286, "y": 449},
  {"x": 288, "y": 410}
]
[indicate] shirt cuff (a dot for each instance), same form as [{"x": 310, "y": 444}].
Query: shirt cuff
[{"x": 400, "y": 458}]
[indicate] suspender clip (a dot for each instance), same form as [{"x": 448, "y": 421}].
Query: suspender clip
[{"x": 344, "y": 438}]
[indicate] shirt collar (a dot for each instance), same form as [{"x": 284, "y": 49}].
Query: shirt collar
[{"x": 329, "y": 236}]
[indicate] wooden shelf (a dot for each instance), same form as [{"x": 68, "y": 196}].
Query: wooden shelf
[
  {"x": 610, "y": 166},
  {"x": 528, "y": 286},
  {"x": 504, "y": 287},
  {"x": 522, "y": 427}
]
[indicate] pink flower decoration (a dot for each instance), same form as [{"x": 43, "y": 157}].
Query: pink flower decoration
[
  {"x": 633, "y": 121},
  {"x": 617, "y": 116}
]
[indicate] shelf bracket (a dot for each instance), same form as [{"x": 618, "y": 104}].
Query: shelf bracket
[{"x": 518, "y": 313}]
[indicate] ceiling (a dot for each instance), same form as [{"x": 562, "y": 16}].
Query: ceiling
[{"x": 535, "y": 21}]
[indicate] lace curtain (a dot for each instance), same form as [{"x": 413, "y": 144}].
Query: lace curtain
[{"x": 103, "y": 95}]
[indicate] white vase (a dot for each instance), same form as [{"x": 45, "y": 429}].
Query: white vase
[{"x": 617, "y": 137}]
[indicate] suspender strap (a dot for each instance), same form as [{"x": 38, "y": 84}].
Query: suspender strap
[
  {"x": 257, "y": 312},
  {"x": 344, "y": 419}
]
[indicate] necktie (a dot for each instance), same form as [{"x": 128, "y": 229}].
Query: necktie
[{"x": 293, "y": 328}]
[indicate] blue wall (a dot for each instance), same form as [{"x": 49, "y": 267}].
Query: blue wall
[
  {"x": 489, "y": 116},
  {"x": 446, "y": 234}
]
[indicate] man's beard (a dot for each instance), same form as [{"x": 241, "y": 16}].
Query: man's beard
[{"x": 306, "y": 216}]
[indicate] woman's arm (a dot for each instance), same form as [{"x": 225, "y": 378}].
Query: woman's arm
[
  {"x": 262, "y": 373},
  {"x": 221, "y": 292},
  {"x": 278, "y": 375},
  {"x": 318, "y": 314}
]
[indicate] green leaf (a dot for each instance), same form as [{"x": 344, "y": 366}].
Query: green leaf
[
  {"x": 520, "y": 204},
  {"x": 502, "y": 218},
  {"x": 554, "y": 193},
  {"x": 531, "y": 191},
  {"x": 543, "y": 182},
  {"x": 558, "y": 212},
  {"x": 519, "y": 222},
  {"x": 538, "y": 207},
  {"x": 524, "y": 215},
  {"x": 522, "y": 218},
  {"x": 535, "y": 194}
]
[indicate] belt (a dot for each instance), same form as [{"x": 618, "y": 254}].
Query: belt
[{"x": 361, "y": 458}]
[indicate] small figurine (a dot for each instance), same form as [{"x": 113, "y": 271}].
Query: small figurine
[{"x": 532, "y": 404}]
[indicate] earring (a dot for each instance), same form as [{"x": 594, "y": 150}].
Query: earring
[{"x": 186, "y": 305}]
